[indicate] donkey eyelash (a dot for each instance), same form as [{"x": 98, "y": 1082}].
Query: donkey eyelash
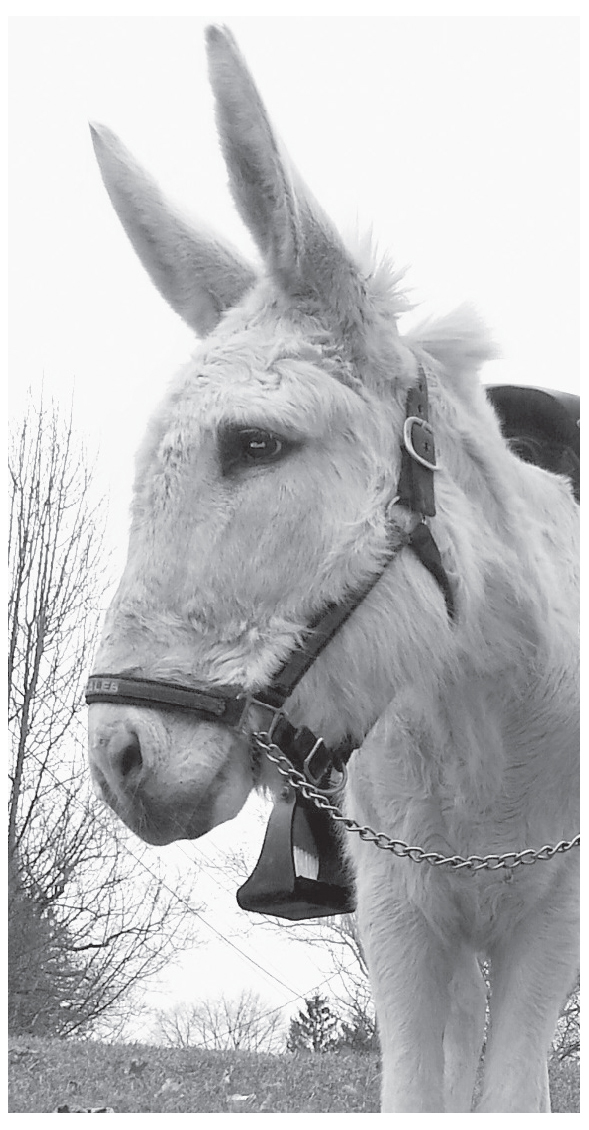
[{"x": 240, "y": 448}]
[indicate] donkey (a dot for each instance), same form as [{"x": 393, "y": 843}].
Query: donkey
[{"x": 267, "y": 490}]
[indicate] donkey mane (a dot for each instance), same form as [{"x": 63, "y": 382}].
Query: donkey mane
[{"x": 461, "y": 341}]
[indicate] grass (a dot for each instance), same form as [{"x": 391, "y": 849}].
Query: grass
[
  {"x": 47, "y": 1074},
  {"x": 565, "y": 1086}
]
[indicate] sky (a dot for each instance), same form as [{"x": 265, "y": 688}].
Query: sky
[{"x": 454, "y": 139}]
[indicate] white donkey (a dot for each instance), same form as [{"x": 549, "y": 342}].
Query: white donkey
[{"x": 270, "y": 487}]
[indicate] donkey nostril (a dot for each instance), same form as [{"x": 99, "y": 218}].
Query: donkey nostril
[{"x": 130, "y": 758}]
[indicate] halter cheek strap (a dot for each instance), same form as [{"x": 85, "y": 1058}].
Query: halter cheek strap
[
  {"x": 416, "y": 483},
  {"x": 418, "y": 459},
  {"x": 423, "y": 545}
]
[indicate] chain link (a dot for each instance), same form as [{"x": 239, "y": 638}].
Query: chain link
[{"x": 509, "y": 860}]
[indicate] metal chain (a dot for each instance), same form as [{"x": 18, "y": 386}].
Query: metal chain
[{"x": 508, "y": 860}]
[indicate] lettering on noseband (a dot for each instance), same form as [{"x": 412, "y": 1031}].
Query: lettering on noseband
[{"x": 99, "y": 686}]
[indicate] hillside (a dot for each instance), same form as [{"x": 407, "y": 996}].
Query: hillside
[{"x": 47, "y": 1074}]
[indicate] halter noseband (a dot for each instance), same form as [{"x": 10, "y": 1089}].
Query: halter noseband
[{"x": 230, "y": 705}]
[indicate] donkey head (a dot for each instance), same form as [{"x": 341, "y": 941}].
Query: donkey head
[{"x": 263, "y": 481}]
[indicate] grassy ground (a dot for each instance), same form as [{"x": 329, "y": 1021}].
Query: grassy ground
[{"x": 47, "y": 1074}]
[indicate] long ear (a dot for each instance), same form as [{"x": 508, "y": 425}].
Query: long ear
[
  {"x": 297, "y": 241},
  {"x": 198, "y": 275}
]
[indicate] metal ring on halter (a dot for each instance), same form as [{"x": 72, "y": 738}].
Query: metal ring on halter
[
  {"x": 332, "y": 790},
  {"x": 276, "y": 714},
  {"x": 410, "y": 423}
]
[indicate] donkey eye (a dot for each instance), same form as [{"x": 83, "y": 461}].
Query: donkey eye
[
  {"x": 259, "y": 445},
  {"x": 239, "y": 447}
]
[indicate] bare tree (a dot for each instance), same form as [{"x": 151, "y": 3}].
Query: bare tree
[
  {"x": 55, "y": 587},
  {"x": 86, "y": 919},
  {"x": 338, "y": 939},
  {"x": 244, "y": 1024}
]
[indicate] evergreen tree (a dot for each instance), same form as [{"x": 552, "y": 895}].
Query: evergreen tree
[
  {"x": 315, "y": 1027},
  {"x": 47, "y": 993},
  {"x": 359, "y": 1034}
]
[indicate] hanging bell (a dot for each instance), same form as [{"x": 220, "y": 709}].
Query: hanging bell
[{"x": 299, "y": 836}]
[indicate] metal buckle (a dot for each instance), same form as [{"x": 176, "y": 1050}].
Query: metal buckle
[
  {"x": 408, "y": 441},
  {"x": 315, "y": 780}
]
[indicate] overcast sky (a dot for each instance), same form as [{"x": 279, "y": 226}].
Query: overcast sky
[{"x": 456, "y": 139}]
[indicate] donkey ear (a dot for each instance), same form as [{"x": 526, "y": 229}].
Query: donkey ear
[
  {"x": 197, "y": 274},
  {"x": 297, "y": 241}
]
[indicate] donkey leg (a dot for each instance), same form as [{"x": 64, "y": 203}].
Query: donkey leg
[
  {"x": 531, "y": 972},
  {"x": 464, "y": 1032},
  {"x": 544, "y": 1103},
  {"x": 410, "y": 972}
]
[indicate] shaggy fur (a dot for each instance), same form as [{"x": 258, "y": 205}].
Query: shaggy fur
[{"x": 466, "y": 731}]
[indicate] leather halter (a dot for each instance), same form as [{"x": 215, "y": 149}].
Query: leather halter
[{"x": 230, "y": 705}]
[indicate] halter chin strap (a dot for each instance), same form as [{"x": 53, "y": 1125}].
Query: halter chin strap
[{"x": 229, "y": 705}]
